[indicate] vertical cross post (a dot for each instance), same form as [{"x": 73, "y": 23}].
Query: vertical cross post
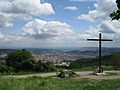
[{"x": 100, "y": 55}]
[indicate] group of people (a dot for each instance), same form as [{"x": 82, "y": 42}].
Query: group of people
[{"x": 98, "y": 70}]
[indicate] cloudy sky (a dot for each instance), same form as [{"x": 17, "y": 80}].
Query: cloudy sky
[{"x": 57, "y": 23}]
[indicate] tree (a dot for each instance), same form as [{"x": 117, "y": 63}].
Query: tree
[
  {"x": 116, "y": 14},
  {"x": 44, "y": 67},
  {"x": 116, "y": 60},
  {"x": 20, "y": 60}
]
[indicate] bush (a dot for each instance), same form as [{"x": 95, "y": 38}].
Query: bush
[
  {"x": 64, "y": 74},
  {"x": 61, "y": 74},
  {"x": 83, "y": 62},
  {"x": 20, "y": 60},
  {"x": 116, "y": 60},
  {"x": 107, "y": 67},
  {"x": 4, "y": 69},
  {"x": 44, "y": 67}
]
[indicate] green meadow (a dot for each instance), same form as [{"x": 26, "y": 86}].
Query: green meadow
[{"x": 50, "y": 83}]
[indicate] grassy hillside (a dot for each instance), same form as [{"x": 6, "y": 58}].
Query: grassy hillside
[{"x": 58, "y": 84}]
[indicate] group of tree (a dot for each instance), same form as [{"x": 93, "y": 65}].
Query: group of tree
[{"x": 22, "y": 60}]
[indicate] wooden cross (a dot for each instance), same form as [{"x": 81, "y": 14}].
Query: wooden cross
[{"x": 100, "y": 59}]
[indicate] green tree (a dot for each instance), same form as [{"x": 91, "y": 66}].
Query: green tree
[
  {"x": 116, "y": 60},
  {"x": 20, "y": 60},
  {"x": 44, "y": 67},
  {"x": 116, "y": 14}
]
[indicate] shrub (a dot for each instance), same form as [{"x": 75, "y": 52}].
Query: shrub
[
  {"x": 44, "y": 67},
  {"x": 20, "y": 60},
  {"x": 4, "y": 69},
  {"x": 64, "y": 74}
]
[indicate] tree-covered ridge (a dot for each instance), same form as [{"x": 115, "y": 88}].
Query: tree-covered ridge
[
  {"x": 116, "y": 14},
  {"x": 110, "y": 60}
]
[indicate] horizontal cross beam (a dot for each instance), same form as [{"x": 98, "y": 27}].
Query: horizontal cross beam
[{"x": 99, "y": 40}]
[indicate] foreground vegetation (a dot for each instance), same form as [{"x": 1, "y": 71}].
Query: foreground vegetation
[{"x": 36, "y": 83}]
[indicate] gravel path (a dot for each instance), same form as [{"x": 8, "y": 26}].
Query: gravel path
[
  {"x": 82, "y": 74},
  {"x": 30, "y": 75},
  {"x": 88, "y": 74}
]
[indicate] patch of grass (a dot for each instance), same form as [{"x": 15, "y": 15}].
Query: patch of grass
[
  {"x": 36, "y": 83},
  {"x": 107, "y": 67},
  {"x": 84, "y": 69},
  {"x": 93, "y": 68}
]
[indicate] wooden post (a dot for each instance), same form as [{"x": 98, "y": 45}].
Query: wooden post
[{"x": 100, "y": 46}]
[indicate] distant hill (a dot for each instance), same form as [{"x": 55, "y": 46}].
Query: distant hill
[
  {"x": 83, "y": 52},
  {"x": 4, "y": 51}
]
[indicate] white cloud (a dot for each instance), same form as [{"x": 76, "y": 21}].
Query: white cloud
[
  {"x": 109, "y": 30},
  {"x": 40, "y": 29},
  {"x": 102, "y": 10},
  {"x": 83, "y": 0},
  {"x": 19, "y": 9},
  {"x": 38, "y": 33},
  {"x": 108, "y": 26},
  {"x": 101, "y": 13},
  {"x": 6, "y": 24},
  {"x": 100, "y": 16},
  {"x": 53, "y": 33},
  {"x": 71, "y": 8},
  {"x": 1, "y": 36}
]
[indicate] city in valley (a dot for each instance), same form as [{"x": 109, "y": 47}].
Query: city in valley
[{"x": 59, "y": 55}]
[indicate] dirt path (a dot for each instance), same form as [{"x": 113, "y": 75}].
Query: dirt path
[
  {"x": 82, "y": 74},
  {"x": 30, "y": 75},
  {"x": 87, "y": 74}
]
